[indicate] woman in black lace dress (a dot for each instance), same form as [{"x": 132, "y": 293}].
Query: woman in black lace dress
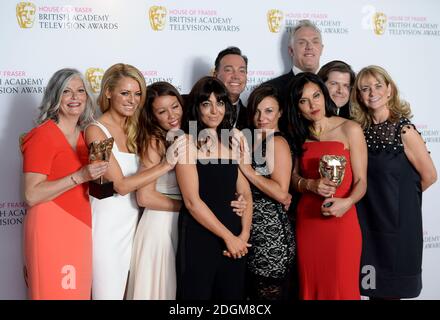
[
  {"x": 271, "y": 257},
  {"x": 399, "y": 170}
]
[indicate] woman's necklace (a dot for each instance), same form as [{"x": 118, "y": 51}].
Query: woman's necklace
[{"x": 315, "y": 133}]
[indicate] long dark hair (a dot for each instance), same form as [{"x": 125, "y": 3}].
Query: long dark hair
[
  {"x": 300, "y": 125},
  {"x": 149, "y": 129},
  {"x": 200, "y": 92}
]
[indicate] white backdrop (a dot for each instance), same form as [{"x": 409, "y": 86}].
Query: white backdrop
[{"x": 98, "y": 33}]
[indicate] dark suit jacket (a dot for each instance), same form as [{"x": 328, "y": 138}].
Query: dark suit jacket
[
  {"x": 242, "y": 121},
  {"x": 344, "y": 111},
  {"x": 282, "y": 84}
]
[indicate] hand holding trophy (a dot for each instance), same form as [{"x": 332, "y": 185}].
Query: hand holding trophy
[
  {"x": 333, "y": 168},
  {"x": 100, "y": 151}
]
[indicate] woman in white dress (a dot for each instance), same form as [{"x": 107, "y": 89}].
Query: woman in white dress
[
  {"x": 114, "y": 219},
  {"x": 152, "y": 269}
]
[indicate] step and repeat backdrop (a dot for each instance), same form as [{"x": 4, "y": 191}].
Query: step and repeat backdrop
[{"x": 178, "y": 41}]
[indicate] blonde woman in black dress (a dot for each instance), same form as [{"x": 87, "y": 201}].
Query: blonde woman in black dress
[{"x": 399, "y": 170}]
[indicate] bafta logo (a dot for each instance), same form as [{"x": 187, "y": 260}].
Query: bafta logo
[
  {"x": 274, "y": 20},
  {"x": 158, "y": 15},
  {"x": 25, "y": 12},
  {"x": 94, "y": 77},
  {"x": 379, "y": 23}
]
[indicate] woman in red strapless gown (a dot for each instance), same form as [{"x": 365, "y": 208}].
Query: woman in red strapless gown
[{"x": 328, "y": 238}]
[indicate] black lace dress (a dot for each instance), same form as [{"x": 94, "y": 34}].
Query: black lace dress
[
  {"x": 390, "y": 217},
  {"x": 271, "y": 257}
]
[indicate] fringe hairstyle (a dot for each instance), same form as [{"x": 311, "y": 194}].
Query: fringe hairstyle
[{"x": 360, "y": 112}]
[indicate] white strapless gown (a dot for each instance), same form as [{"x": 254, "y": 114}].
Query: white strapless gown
[
  {"x": 153, "y": 266},
  {"x": 114, "y": 222}
]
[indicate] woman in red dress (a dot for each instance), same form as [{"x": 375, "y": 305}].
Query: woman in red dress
[
  {"x": 328, "y": 233},
  {"x": 57, "y": 227}
]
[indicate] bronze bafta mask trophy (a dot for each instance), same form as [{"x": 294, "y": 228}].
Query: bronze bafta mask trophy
[
  {"x": 101, "y": 151},
  {"x": 333, "y": 168}
]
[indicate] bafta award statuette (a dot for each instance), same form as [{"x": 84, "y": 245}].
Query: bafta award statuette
[
  {"x": 100, "y": 151},
  {"x": 333, "y": 168}
]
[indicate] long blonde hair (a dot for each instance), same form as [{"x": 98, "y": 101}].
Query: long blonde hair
[
  {"x": 109, "y": 81},
  {"x": 359, "y": 111}
]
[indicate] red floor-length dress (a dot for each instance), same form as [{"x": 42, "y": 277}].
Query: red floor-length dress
[
  {"x": 329, "y": 248},
  {"x": 57, "y": 233}
]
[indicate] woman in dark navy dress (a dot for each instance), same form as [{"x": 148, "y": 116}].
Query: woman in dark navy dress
[
  {"x": 213, "y": 240},
  {"x": 399, "y": 170}
]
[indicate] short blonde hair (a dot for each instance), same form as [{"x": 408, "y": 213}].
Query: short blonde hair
[
  {"x": 360, "y": 112},
  {"x": 109, "y": 81}
]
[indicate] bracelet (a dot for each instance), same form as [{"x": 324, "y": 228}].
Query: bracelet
[
  {"x": 306, "y": 186},
  {"x": 73, "y": 179},
  {"x": 298, "y": 184}
]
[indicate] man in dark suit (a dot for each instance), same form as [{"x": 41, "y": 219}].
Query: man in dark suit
[
  {"x": 305, "y": 48},
  {"x": 231, "y": 69}
]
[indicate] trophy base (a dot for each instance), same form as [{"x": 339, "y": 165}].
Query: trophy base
[{"x": 101, "y": 191}]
